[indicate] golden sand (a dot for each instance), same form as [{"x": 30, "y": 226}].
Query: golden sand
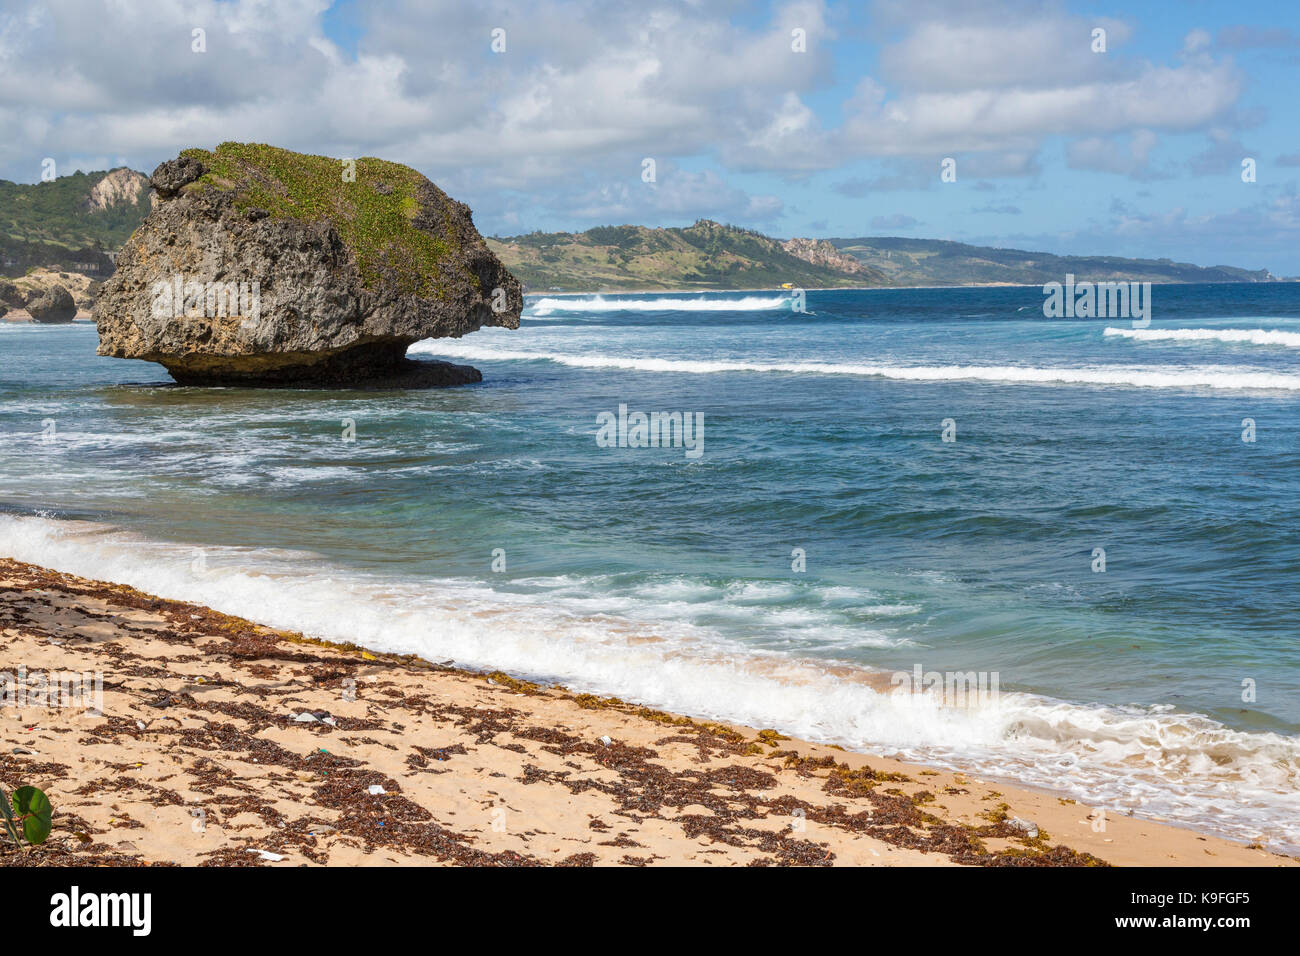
[{"x": 201, "y": 756}]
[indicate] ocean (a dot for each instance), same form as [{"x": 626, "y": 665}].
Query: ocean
[{"x": 1102, "y": 520}]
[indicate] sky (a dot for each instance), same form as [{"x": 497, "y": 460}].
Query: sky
[{"x": 797, "y": 119}]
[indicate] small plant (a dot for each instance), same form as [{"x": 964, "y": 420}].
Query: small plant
[{"x": 27, "y": 811}]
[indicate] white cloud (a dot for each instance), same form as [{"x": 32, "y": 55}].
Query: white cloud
[
  {"x": 996, "y": 80},
  {"x": 1002, "y": 52},
  {"x": 582, "y": 93},
  {"x": 1196, "y": 41},
  {"x": 677, "y": 194},
  {"x": 1107, "y": 154},
  {"x": 1223, "y": 154},
  {"x": 897, "y": 220},
  {"x": 586, "y": 90}
]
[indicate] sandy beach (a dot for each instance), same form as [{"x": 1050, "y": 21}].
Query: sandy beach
[
  {"x": 221, "y": 742},
  {"x": 21, "y": 315}
]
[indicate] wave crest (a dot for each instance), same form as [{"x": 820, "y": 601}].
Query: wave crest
[
  {"x": 1231, "y": 336},
  {"x": 598, "y": 303},
  {"x": 1134, "y": 377},
  {"x": 1185, "y": 766}
]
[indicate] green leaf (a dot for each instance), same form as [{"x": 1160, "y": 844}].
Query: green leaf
[
  {"x": 34, "y": 806},
  {"x": 9, "y": 816}
]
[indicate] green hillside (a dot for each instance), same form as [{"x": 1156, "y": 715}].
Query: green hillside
[
  {"x": 76, "y": 223},
  {"x": 939, "y": 262},
  {"x": 71, "y": 222},
  {"x": 707, "y": 255}
]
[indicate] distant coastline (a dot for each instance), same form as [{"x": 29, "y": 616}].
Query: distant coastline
[
  {"x": 75, "y": 223},
  {"x": 712, "y": 257},
  {"x": 664, "y": 290}
]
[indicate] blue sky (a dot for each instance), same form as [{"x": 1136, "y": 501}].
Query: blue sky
[{"x": 1134, "y": 151}]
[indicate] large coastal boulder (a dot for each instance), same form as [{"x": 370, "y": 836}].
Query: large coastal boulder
[
  {"x": 260, "y": 266},
  {"x": 11, "y": 295},
  {"x": 55, "y": 304}
]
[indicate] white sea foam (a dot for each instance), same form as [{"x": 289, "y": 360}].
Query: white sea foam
[
  {"x": 891, "y": 610},
  {"x": 1231, "y": 336},
  {"x": 1219, "y": 377},
  {"x": 1187, "y": 768},
  {"x": 599, "y": 303}
]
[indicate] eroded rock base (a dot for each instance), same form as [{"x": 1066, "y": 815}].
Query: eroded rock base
[{"x": 406, "y": 373}]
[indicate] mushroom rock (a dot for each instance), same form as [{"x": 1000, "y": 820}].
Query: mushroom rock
[{"x": 263, "y": 267}]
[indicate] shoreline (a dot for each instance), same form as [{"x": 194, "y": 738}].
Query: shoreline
[
  {"x": 21, "y": 316},
  {"x": 207, "y": 749}
]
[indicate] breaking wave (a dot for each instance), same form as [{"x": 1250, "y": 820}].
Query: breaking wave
[
  {"x": 1128, "y": 376},
  {"x": 599, "y": 303},
  {"x": 1153, "y": 760},
  {"x": 1232, "y": 336}
]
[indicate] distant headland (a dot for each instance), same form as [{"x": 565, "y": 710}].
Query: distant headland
[{"x": 77, "y": 224}]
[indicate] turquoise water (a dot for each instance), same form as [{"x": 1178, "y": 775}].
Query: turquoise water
[{"x": 670, "y": 579}]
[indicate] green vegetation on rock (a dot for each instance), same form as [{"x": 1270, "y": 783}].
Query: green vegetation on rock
[{"x": 374, "y": 214}]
